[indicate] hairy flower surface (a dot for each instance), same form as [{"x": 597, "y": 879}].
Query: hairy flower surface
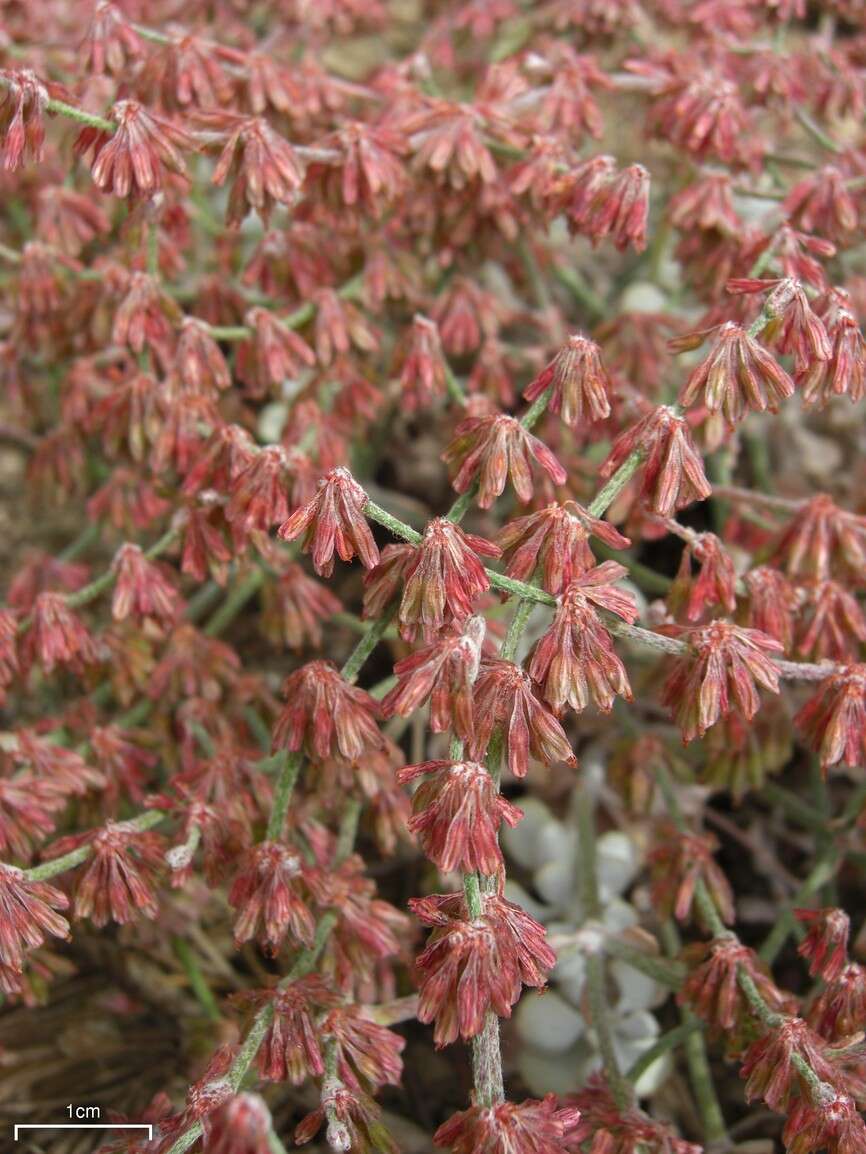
[
  {"x": 575, "y": 660},
  {"x": 473, "y": 965},
  {"x": 491, "y": 450},
  {"x": 457, "y": 811},
  {"x": 721, "y": 671},
  {"x": 333, "y": 522},
  {"x": 555, "y": 540},
  {"x": 270, "y": 896},
  {"x": 737, "y": 375},
  {"x": 834, "y": 719},
  {"x": 443, "y": 674},
  {"x": 539, "y": 1127},
  {"x": 325, "y": 715},
  {"x": 28, "y": 911},
  {"x": 672, "y": 474},
  {"x": 579, "y": 385},
  {"x": 504, "y": 696},
  {"x": 442, "y": 579}
]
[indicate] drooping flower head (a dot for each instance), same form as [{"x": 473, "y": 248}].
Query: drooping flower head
[
  {"x": 28, "y": 911},
  {"x": 270, "y": 896},
  {"x": 556, "y": 541},
  {"x": 132, "y": 159},
  {"x": 474, "y": 965},
  {"x": 504, "y": 696},
  {"x": 575, "y": 659},
  {"x": 442, "y": 673},
  {"x": 825, "y": 945},
  {"x": 334, "y": 522},
  {"x": 529, "y": 1127},
  {"x": 833, "y": 721},
  {"x": 720, "y": 671},
  {"x": 325, "y": 715},
  {"x": 457, "y": 811},
  {"x": 490, "y": 450},
  {"x": 580, "y": 385},
  {"x": 672, "y": 474},
  {"x": 736, "y": 376},
  {"x": 442, "y": 578}
]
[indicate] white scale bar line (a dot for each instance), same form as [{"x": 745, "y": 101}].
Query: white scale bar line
[{"x": 148, "y": 1126}]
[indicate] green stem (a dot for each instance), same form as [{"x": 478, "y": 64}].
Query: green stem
[
  {"x": 595, "y": 972},
  {"x": 196, "y": 978},
  {"x": 283, "y": 794},
  {"x": 700, "y": 1074},
  {"x": 667, "y": 1042},
  {"x": 234, "y": 603},
  {"x": 75, "y": 857}
]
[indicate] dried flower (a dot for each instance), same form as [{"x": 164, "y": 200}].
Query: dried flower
[
  {"x": 117, "y": 881},
  {"x": 843, "y": 373},
  {"x": 712, "y": 988},
  {"x": 832, "y": 1123},
  {"x": 823, "y": 541},
  {"x": 489, "y": 450},
  {"x": 556, "y": 541},
  {"x": 353, "y": 1122},
  {"x": 131, "y": 161},
  {"x": 333, "y": 521},
  {"x": 442, "y": 673},
  {"x": 673, "y": 473},
  {"x": 529, "y": 1127},
  {"x": 291, "y": 1049},
  {"x": 825, "y": 945},
  {"x": 504, "y": 696},
  {"x": 424, "y": 370},
  {"x": 772, "y": 604},
  {"x": 142, "y": 588},
  {"x": 111, "y": 41},
  {"x": 276, "y": 353},
  {"x": 367, "y": 1054},
  {"x": 27, "y": 914},
  {"x": 832, "y": 624},
  {"x": 473, "y": 965},
  {"x": 580, "y": 386},
  {"x": 737, "y": 375},
  {"x": 265, "y": 169},
  {"x": 22, "y": 117},
  {"x": 769, "y": 1068},
  {"x": 457, "y": 812},
  {"x": 56, "y": 636},
  {"x": 199, "y": 362},
  {"x": 294, "y": 607},
  {"x": 270, "y": 896},
  {"x": 834, "y": 720},
  {"x": 239, "y": 1126},
  {"x": 609, "y": 1130},
  {"x": 840, "y": 1008},
  {"x": 442, "y": 578},
  {"x": 605, "y": 202},
  {"x": 259, "y": 496},
  {"x": 714, "y": 584},
  {"x": 326, "y": 715},
  {"x": 721, "y": 670},
  {"x": 575, "y": 659},
  {"x": 678, "y": 862}
]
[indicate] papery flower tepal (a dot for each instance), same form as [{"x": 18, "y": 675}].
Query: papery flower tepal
[
  {"x": 334, "y": 522},
  {"x": 457, "y": 811},
  {"x": 491, "y": 450},
  {"x": 721, "y": 670},
  {"x": 580, "y": 385}
]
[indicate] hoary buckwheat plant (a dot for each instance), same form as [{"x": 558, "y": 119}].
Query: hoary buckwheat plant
[{"x": 409, "y": 410}]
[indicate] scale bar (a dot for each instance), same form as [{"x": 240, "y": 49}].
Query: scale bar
[{"x": 148, "y": 1126}]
